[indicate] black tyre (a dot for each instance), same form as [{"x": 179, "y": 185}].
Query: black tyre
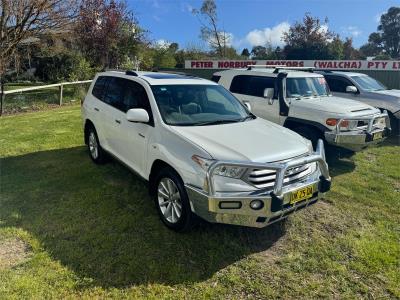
[
  {"x": 172, "y": 201},
  {"x": 96, "y": 152},
  {"x": 309, "y": 133},
  {"x": 394, "y": 124}
]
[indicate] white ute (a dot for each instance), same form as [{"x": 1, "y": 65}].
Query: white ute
[
  {"x": 203, "y": 153},
  {"x": 299, "y": 99}
]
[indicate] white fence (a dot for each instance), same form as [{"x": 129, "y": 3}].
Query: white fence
[{"x": 61, "y": 85}]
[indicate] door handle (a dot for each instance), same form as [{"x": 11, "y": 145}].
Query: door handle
[
  {"x": 118, "y": 121},
  {"x": 96, "y": 109}
]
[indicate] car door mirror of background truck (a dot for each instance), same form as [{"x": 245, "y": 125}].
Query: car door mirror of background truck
[
  {"x": 138, "y": 115},
  {"x": 247, "y": 105},
  {"x": 351, "y": 89},
  {"x": 269, "y": 95}
]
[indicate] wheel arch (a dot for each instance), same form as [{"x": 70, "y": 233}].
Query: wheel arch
[
  {"x": 156, "y": 167},
  {"x": 293, "y": 123}
]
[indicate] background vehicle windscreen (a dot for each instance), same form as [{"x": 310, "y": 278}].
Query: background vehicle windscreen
[
  {"x": 306, "y": 87},
  {"x": 368, "y": 83},
  {"x": 191, "y": 105}
]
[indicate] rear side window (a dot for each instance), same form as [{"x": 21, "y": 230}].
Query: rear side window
[
  {"x": 337, "y": 84},
  {"x": 251, "y": 85},
  {"x": 98, "y": 89},
  {"x": 114, "y": 93},
  {"x": 215, "y": 78},
  {"x": 124, "y": 94}
]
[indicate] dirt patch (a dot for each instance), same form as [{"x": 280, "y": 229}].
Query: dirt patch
[{"x": 13, "y": 252}]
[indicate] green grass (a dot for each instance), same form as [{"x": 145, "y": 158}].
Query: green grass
[{"x": 93, "y": 231}]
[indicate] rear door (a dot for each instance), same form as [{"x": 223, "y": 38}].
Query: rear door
[
  {"x": 99, "y": 110},
  {"x": 251, "y": 88},
  {"x": 109, "y": 113}
]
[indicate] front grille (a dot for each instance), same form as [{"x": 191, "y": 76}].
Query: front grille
[{"x": 265, "y": 178}]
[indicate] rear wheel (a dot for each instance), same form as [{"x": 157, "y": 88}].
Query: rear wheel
[
  {"x": 96, "y": 152},
  {"x": 172, "y": 201}
]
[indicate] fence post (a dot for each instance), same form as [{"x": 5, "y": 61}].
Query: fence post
[
  {"x": 2, "y": 96},
  {"x": 61, "y": 94}
]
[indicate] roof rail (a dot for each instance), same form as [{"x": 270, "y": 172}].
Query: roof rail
[
  {"x": 132, "y": 73},
  {"x": 112, "y": 70},
  {"x": 281, "y": 67},
  {"x": 179, "y": 73}
]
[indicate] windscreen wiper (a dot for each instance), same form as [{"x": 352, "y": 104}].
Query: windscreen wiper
[
  {"x": 248, "y": 117},
  {"x": 216, "y": 122}
]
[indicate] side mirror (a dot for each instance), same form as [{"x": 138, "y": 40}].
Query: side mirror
[
  {"x": 247, "y": 105},
  {"x": 269, "y": 95},
  {"x": 138, "y": 115},
  {"x": 351, "y": 89}
]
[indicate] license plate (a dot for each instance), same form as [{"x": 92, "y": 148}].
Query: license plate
[
  {"x": 302, "y": 194},
  {"x": 378, "y": 135}
]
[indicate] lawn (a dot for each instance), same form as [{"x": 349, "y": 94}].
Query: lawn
[{"x": 70, "y": 228}]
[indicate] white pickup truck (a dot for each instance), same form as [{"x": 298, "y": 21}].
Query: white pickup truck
[
  {"x": 299, "y": 99},
  {"x": 203, "y": 153}
]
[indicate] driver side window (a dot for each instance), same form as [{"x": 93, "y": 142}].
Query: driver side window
[{"x": 338, "y": 84}]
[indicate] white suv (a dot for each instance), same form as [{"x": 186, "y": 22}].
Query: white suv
[
  {"x": 299, "y": 99},
  {"x": 203, "y": 153}
]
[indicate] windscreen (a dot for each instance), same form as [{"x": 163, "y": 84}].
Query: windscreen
[
  {"x": 195, "y": 105},
  {"x": 368, "y": 83},
  {"x": 306, "y": 87}
]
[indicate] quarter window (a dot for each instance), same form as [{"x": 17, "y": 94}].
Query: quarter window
[
  {"x": 215, "y": 78},
  {"x": 98, "y": 88},
  {"x": 251, "y": 85}
]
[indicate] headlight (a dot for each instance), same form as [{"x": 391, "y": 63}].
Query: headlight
[
  {"x": 345, "y": 124},
  {"x": 223, "y": 170},
  {"x": 229, "y": 171}
]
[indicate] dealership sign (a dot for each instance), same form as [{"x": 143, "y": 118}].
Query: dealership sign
[{"x": 378, "y": 65}]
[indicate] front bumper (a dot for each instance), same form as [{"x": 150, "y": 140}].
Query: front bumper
[
  {"x": 276, "y": 203},
  {"x": 359, "y": 139}
]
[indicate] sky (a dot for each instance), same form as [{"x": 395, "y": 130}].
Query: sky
[{"x": 257, "y": 22}]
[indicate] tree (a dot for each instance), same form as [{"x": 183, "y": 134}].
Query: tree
[
  {"x": 336, "y": 48},
  {"x": 164, "y": 56},
  {"x": 386, "y": 41},
  {"x": 217, "y": 38},
  {"x": 107, "y": 32},
  {"x": 24, "y": 19},
  {"x": 245, "y": 53},
  {"x": 349, "y": 52},
  {"x": 389, "y": 29},
  {"x": 259, "y": 52},
  {"x": 308, "y": 39}
]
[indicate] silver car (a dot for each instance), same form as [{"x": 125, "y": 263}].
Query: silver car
[{"x": 361, "y": 87}]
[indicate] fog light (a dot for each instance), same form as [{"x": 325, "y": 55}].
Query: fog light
[
  {"x": 256, "y": 204},
  {"x": 230, "y": 204}
]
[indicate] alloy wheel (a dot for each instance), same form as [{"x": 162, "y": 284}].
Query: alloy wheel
[{"x": 169, "y": 200}]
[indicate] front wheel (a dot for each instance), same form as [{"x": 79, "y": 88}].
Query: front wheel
[
  {"x": 394, "y": 124},
  {"x": 96, "y": 152},
  {"x": 172, "y": 201}
]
